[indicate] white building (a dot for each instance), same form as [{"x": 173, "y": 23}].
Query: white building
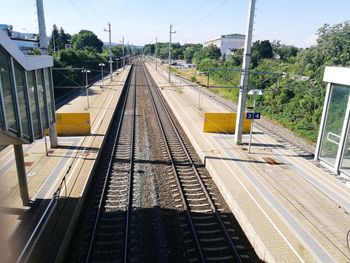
[
  {"x": 227, "y": 43},
  {"x": 24, "y": 41}
]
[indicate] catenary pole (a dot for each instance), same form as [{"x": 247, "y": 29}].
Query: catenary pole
[
  {"x": 123, "y": 55},
  {"x": 110, "y": 52},
  {"x": 156, "y": 53},
  {"x": 245, "y": 75},
  {"x": 170, "y": 33}
]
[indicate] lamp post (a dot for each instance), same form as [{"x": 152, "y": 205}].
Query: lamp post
[
  {"x": 86, "y": 71},
  {"x": 156, "y": 51},
  {"x": 254, "y": 92},
  {"x": 117, "y": 59},
  {"x": 170, "y": 32},
  {"x": 102, "y": 65},
  {"x": 123, "y": 54},
  {"x": 110, "y": 50}
]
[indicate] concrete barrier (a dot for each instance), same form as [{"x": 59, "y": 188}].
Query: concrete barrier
[
  {"x": 70, "y": 124},
  {"x": 223, "y": 122}
]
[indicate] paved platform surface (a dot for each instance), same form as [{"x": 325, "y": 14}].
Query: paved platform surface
[
  {"x": 291, "y": 211},
  {"x": 64, "y": 173}
]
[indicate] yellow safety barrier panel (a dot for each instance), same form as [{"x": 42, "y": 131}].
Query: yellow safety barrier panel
[
  {"x": 223, "y": 123},
  {"x": 69, "y": 124}
]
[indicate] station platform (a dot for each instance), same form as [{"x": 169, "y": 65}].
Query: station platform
[
  {"x": 290, "y": 209},
  {"x": 56, "y": 180}
]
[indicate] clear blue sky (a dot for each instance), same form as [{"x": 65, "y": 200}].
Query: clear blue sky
[{"x": 141, "y": 21}]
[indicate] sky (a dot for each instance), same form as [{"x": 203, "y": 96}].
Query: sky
[{"x": 292, "y": 22}]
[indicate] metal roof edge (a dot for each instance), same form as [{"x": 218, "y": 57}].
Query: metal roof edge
[
  {"x": 27, "y": 62},
  {"x": 338, "y": 75}
]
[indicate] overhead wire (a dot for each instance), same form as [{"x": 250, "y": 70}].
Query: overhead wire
[
  {"x": 94, "y": 22},
  {"x": 189, "y": 15},
  {"x": 206, "y": 16},
  {"x": 94, "y": 11}
]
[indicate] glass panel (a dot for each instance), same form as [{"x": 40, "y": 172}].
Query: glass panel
[
  {"x": 5, "y": 78},
  {"x": 22, "y": 103},
  {"x": 334, "y": 123},
  {"x": 33, "y": 103},
  {"x": 40, "y": 79},
  {"x": 345, "y": 164},
  {"x": 48, "y": 92}
]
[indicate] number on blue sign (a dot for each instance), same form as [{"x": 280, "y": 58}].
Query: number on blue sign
[
  {"x": 249, "y": 115},
  {"x": 257, "y": 115}
]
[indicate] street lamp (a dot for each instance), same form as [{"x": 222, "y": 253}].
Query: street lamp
[
  {"x": 86, "y": 71},
  {"x": 110, "y": 49},
  {"x": 117, "y": 59},
  {"x": 254, "y": 92},
  {"x": 156, "y": 51},
  {"x": 170, "y": 32},
  {"x": 123, "y": 53},
  {"x": 102, "y": 65}
]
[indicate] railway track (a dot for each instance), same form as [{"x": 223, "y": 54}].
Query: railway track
[
  {"x": 208, "y": 235},
  {"x": 111, "y": 228}
]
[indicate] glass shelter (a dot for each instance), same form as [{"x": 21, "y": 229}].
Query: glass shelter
[
  {"x": 26, "y": 103},
  {"x": 26, "y": 94},
  {"x": 333, "y": 144}
]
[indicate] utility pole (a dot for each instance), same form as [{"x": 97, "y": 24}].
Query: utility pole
[
  {"x": 156, "y": 54},
  {"x": 170, "y": 32},
  {"x": 110, "y": 50},
  {"x": 43, "y": 49},
  {"x": 245, "y": 75},
  {"x": 102, "y": 65},
  {"x": 86, "y": 71},
  {"x": 123, "y": 55},
  {"x": 42, "y": 27}
]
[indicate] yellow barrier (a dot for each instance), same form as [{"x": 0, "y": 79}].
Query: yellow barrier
[
  {"x": 69, "y": 124},
  {"x": 223, "y": 123}
]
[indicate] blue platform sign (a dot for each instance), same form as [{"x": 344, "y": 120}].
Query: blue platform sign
[{"x": 252, "y": 115}]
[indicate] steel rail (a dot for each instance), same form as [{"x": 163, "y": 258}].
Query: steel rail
[
  {"x": 131, "y": 174},
  {"x": 183, "y": 198},
  {"x": 108, "y": 173},
  {"x": 194, "y": 168}
]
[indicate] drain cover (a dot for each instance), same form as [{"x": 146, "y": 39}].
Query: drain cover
[
  {"x": 270, "y": 160},
  {"x": 28, "y": 163}
]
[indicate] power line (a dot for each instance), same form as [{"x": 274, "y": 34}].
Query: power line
[
  {"x": 188, "y": 16},
  {"x": 84, "y": 14},
  {"x": 206, "y": 16},
  {"x": 94, "y": 11}
]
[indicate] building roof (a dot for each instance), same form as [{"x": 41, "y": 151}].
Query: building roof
[
  {"x": 27, "y": 62},
  {"x": 232, "y": 36}
]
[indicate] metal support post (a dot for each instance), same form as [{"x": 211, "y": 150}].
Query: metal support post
[
  {"x": 102, "y": 74},
  {"x": 252, "y": 124},
  {"x": 156, "y": 54},
  {"x": 53, "y": 135},
  {"x": 21, "y": 174},
  {"x": 109, "y": 30},
  {"x": 42, "y": 27},
  {"x": 170, "y": 32},
  {"x": 244, "y": 76},
  {"x": 86, "y": 71},
  {"x": 87, "y": 90},
  {"x": 123, "y": 55}
]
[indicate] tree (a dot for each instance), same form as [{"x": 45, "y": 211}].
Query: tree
[
  {"x": 263, "y": 49},
  {"x": 188, "y": 53},
  {"x": 53, "y": 43},
  {"x": 198, "y": 56},
  {"x": 236, "y": 58},
  {"x": 212, "y": 52},
  {"x": 86, "y": 39},
  {"x": 63, "y": 39},
  {"x": 117, "y": 51}
]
